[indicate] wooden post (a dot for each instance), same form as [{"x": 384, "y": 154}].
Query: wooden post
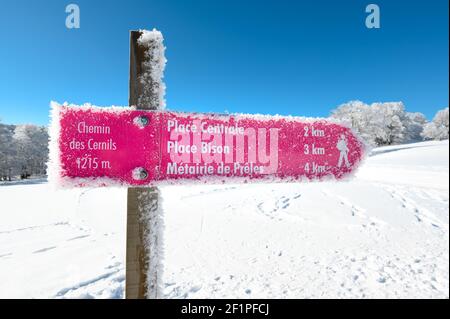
[{"x": 143, "y": 203}]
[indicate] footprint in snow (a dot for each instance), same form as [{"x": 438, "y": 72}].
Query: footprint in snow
[
  {"x": 195, "y": 288},
  {"x": 44, "y": 250},
  {"x": 77, "y": 237}
]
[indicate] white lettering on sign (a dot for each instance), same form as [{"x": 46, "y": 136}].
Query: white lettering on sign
[
  {"x": 198, "y": 142},
  {"x": 93, "y": 129},
  {"x": 198, "y": 126}
]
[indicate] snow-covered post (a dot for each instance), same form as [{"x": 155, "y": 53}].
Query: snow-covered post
[{"x": 144, "y": 221}]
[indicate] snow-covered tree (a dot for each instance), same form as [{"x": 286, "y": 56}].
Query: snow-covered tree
[
  {"x": 7, "y": 152},
  {"x": 437, "y": 129},
  {"x": 31, "y": 143},
  {"x": 381, "y": 123},
  {"x": 389, "y": 121},
  {"x": 357, "y": 115},
  {"x": 414, "y": 126},
  {"x": 23, "y": 150}
]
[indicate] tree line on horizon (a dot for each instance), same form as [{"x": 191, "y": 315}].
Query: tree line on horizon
[
  {"x": 24, "y": 148},
  {"x": 388, "y": 123},
  {"x": 23, "y": 151}
]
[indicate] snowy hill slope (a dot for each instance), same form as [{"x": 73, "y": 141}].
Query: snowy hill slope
[{"x": 383, "y": 234}]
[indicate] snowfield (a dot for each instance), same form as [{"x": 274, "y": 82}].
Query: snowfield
[{"x": 384, "y": 234}]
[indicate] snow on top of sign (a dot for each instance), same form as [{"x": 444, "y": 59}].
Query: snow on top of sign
[
  {"x": 92, "y": 108},
  {"x": 257, "y": 116},
  {"x": 151, "y": 78},
  {"x": 261, "y": 117}
]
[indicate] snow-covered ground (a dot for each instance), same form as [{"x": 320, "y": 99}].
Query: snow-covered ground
[{"x": 383, "y": 234}]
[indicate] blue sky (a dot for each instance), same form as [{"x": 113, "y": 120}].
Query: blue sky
[{"x": 276, "y": 57}]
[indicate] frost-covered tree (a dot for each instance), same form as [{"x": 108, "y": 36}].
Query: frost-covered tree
[
  {"x": 390, "y": 122},
  {"x": 358, "y": 115},
  {"x": 380, "y": 123},
  {"x": 23, "y": 150},
  {"x": 7, "y": 152},
  {"x": 414, "y": 126},
  {"x": 437, "y": 129},
  {"x": 31, "y": 143}
]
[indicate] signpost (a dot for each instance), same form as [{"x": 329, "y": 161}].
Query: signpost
[
  {"x": 141, "y": 147},
  {"x": 146, "y": 59},
  {"x": 149, "y": 148}
]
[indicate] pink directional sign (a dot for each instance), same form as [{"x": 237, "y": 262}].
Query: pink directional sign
[{"x": 129, "y": 147}]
